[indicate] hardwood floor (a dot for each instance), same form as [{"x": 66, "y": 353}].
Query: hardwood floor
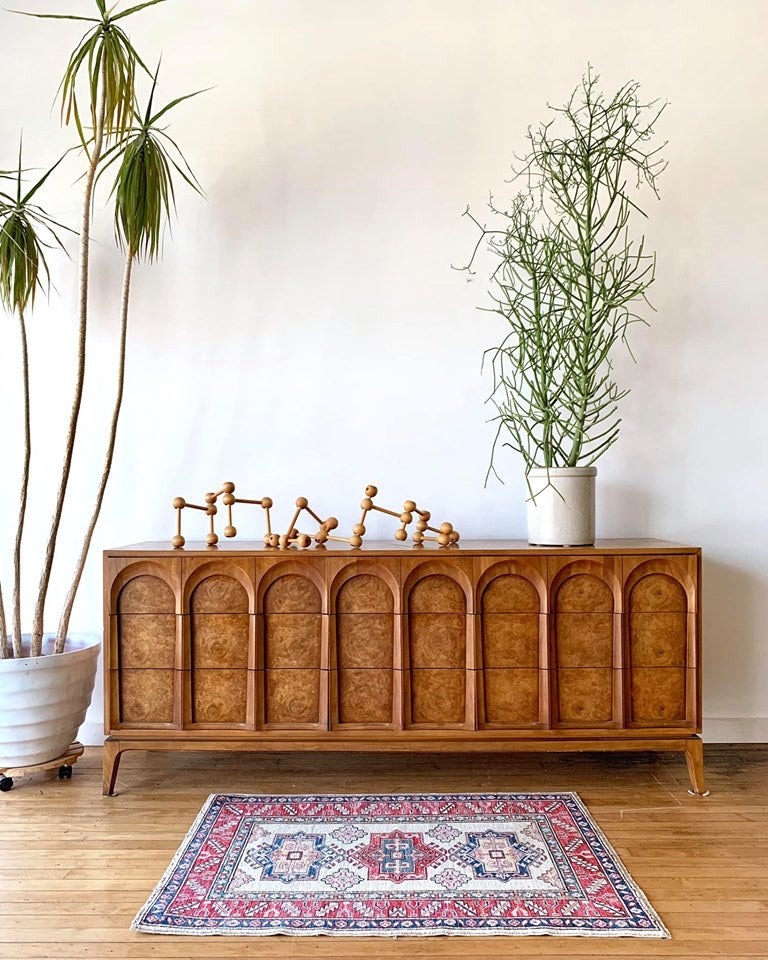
[{"x": 76, "y": 866}]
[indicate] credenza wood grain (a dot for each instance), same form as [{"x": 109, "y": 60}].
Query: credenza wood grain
[{"x": 487, "y": 645}]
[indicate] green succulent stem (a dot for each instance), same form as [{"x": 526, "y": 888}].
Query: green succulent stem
[{"x": 69, "y": 447}]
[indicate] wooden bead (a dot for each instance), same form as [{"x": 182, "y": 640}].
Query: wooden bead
[
  {"x": 228, "y": 499},
  {"x": 210, "y": 498},
  {"x": 366, "y": 504},
  {"x": 418, "y": 537},
  {"x": 321, "y": 537},
  {"x": 303, "y": 540},
  {"x": 211, "y": 538},
  {"x": 302, "y": 503},
  {"x": 211, "y": 510},
  {"x": 426, "y": 515},
  {"x": 331, "y": 523},
  {"x": 230, "y": 531},
  {"x": 401, "y": 534},
  {"x": 409, "y": 506},
  {"x": 266, "y": 502},
  {"x": 178, "y": 540},
  {"x": 282, "y": 540},
  {"x": 228, "y": 487},
  {"x": 272, "y": 540},
  {"x": 421, "y": 525},
  {"x": 356, "y": 541},
  {"x": 446, "y": 527},
  {"x": 406, "y": 518},
  {"x": 454, "y": 536},
  {"x": 371, "y": 491},
  {"x": 179, "y": 503},
  {"x": 443, "y": 539},
  {"x": 359, "y": 529}
]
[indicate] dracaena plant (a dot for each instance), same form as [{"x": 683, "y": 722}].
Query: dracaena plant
[
  {"x": 569, "y": 277},
  {"x": 98, "y": 96}
]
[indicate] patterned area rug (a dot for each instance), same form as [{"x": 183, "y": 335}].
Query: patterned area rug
[{"x": 397, "y": 865}]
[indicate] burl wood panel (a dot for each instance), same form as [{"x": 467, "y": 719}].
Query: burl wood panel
[
  {"x": 657, "y": 695},
  {"x": 365, "y": 696},
  {"x": 509, "y": 640},
  {"x": 437, "y": 640},
  {"x": 219, "y": 640},
  {"x": 146, "y": 594},
  {"x": 147, "y": 696},
  {"x": 658, "y": 593},
  {"x": 292, "y": 640},
  {"x": 585, "y": 696},
  {"x": 511, "y": 696},
  {"x": 510, "y": 593},
  {"x": 146, "y": 624},
  {"x": 438, "y": 696},
  {"x": 292, "y": 593},
  {"x": 219, "y": 594},
  {"x": 436, "y": 593},
  {"x": 583, "y": 639},
  {"x": 292, "y": 697},
  {"x": 365, "y": 640},
  {"x": 365, "y": 593},
  {"x": 583, "y": 593},
  {"x": 219, "y": 696}
]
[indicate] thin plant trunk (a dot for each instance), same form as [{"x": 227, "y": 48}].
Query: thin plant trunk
[
  {"x": 61, "y": 637},
  {"x": 17, "y": 647},
  {"x": 3, "y": 628},
  {"x": 45, "y": 577}
]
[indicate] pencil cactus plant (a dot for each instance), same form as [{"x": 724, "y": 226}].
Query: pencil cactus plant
[
  {"x": 99, "y": 97},
  {"x": 569, "y": 277}
]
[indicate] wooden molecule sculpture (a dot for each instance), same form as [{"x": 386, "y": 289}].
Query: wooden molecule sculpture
[
  {"x": 228, "y": 498},
  {"x": 446, "y": 535}
]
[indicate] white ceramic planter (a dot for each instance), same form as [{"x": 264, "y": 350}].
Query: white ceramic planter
[
  {"x": 43, "y": 700},
  {"x": 561, "y": 511}
]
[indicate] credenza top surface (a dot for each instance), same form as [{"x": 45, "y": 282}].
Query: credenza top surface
[{"x": 374, "y": 548}]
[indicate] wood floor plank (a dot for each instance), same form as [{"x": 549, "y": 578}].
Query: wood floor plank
[{"x": 76, "y": 866}]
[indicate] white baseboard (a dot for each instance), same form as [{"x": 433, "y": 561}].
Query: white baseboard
[{"x": 716, "y": 730}]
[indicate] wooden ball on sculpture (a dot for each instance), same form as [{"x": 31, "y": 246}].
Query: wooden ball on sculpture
[
  {"x": 210, "y": 498},
  {"x": 359, "y": 529},
  {"x": 401, "y": 535},
  {"x": 356, "y": 541},
  {"x": 454, "y": 536},
  {"x": 426, "y": 515},
  {"x": 421, "y": 525},
  {"x": 303, "y": 540},
  {"x": 211, "y": 510},
  {"x": 228, "y": 499},
  {"x": 282, "y": 540},
  {"x": 179, "y": 503},
  {"x": 178, "y": 540},
  {"x": 446, "y": 527},
  {"x": 272, "y": 540},
  {"x": 366, "y": 504},
  {"x": 406, "y": 518},
  {"x": 228, "y": 486},
  {"x": 409, "y": 506},
  {"x": 266, "y": 502},
  {"x": 230, "y": 531},
  {"x": 301, "y": 503},
  {"x": 331, "y": 523},
  {"x": 211, "y": 539},
  {"x": 418, "y": 537},
  {"x": 443, "y": 539},
  {"x": 371, "y": 491},
  {"x": 321, "y": 537}
]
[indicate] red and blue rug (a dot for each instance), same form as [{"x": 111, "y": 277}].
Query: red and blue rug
[{"x": 397, "y": 865}]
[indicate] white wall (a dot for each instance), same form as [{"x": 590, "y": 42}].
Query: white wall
[{"x": 305, "y": 333}]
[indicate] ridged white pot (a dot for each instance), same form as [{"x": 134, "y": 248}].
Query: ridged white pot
[
  {"x": 43, "y": 699},
  {"x": 561, "y": 509}
]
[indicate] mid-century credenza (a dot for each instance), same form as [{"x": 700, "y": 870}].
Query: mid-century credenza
[{"x": 484, "y": 646}]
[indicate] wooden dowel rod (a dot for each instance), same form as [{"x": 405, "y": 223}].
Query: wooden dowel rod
[
  {"x": 390, "y": 513},
  {"x": 269, "y": 523},
  {"x": 195, "y": 506},
  {"x": 312, "y": 514}
]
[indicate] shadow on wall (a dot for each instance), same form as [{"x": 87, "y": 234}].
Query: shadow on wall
[{"x": 732, "y": 668}]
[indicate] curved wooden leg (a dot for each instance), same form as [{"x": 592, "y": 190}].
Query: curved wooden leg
[
  {"x": 694, "y": 758},
  {"x": 113, "y": 750}
]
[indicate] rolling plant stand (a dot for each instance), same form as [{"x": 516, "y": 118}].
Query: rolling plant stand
[{"x": 65, "y": 763}]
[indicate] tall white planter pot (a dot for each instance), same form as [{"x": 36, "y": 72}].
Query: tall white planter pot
[
  {"x": 43, "y": 700},
  {"x": 561, "y": 506}
]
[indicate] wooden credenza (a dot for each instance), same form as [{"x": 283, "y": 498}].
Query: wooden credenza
[{"x": 492, "y": 645}]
